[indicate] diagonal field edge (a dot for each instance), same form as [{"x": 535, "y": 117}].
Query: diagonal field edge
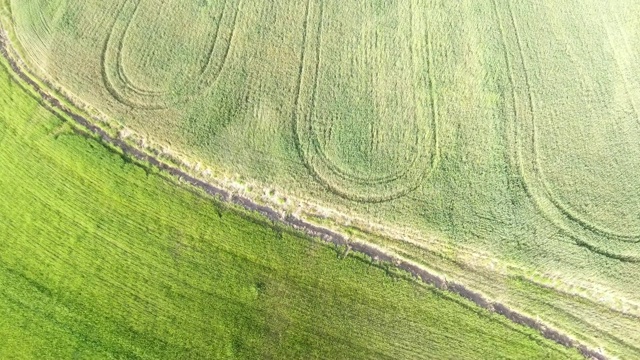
[{"x": 326, "y": 235}]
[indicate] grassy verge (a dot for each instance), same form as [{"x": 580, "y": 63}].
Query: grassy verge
[{"x": 103, "y": 259}]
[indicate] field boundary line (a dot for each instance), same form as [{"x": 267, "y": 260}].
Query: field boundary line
[{"x": 330, "y": 237}]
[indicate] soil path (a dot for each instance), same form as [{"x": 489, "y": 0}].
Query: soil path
[{"x": 326, "y": 235}]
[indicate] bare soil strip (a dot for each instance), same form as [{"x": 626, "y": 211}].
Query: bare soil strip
[{"x": 326, "y": 235}]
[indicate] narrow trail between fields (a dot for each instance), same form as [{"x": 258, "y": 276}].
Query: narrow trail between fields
[{"x": 275, "y": 216}]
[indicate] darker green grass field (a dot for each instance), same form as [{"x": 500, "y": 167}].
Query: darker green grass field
[{"x": 100, "y": 258}]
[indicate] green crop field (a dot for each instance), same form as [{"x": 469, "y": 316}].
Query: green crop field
[
  {"x": 101, "y": 258},
  {"x": 494, "y": 142}
]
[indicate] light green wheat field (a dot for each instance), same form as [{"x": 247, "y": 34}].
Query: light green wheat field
[{"x": 494, "y": 142}]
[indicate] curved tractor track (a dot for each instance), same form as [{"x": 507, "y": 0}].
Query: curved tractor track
[
  {"x": 126, "y": 90},
  {"x": 275, "y": 216},
  {"x": 399, "y": 145}
]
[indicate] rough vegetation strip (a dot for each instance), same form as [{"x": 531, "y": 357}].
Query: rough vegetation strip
[{"x": 327, "y": 235}]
